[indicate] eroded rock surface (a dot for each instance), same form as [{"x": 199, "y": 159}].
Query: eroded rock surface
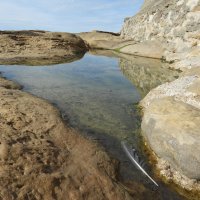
[
  {"x": 105, "y": 40},
  {"x": 173, "y": 23},
  {"x": 151, "y": 49},
  {"x": 171, "y": 126},
  {"x": 39, "y": 47},
  {"x": 40, "y": 158},
  {"x": 173, "y": 132}
]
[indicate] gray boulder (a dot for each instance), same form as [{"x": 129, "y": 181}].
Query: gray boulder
[{"x": 172, "y": 130}]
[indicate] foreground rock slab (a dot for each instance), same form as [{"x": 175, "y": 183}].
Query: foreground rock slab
[
  {"x": 176, "y": 141},
  {"x": 39, "y": 47},
  {"x": 40, "y": 158},
  {"x": 171, "y": 127},
  {"x": 171, "y": 111}
]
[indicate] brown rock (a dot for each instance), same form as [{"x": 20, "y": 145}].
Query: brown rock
[
  {"x": 39, "y": 47},
  {"x": 151, "y": 49},
  {"x": 40, "y": 158}
]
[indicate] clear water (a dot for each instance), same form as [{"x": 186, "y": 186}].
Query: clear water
[{"x": 95, "y": 97}]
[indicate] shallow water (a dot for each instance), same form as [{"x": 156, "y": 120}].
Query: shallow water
[{"x": 95, "y": 97}]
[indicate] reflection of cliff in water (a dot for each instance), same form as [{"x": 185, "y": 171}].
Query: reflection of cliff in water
[{"x": 146, "y": 73}]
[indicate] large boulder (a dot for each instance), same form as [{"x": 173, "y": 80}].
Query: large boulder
[
  {"x": 172, "y": 130},
  {"x": 171, "y": 123}
]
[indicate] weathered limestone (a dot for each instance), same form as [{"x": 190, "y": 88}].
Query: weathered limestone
[
  {"x": 171, "y": 127},
  {"x": 39, "y": 47},
  {"x": 172, "y": 110},
  {"x": 172, "y": 130},
  {"x": 104, "y": 40},
  {"x": 112, "y": 41},
  {"x": 180, "y": 89},
  {"x": 147, "y": 49},
  {"x": 176, "y": 24}
]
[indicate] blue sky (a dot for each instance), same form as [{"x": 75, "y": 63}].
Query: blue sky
[{"x": 66, "y": 15}]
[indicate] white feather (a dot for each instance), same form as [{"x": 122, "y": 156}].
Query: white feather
[{"x": 136, "y": 163}]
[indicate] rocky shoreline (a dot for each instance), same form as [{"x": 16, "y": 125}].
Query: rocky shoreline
[
  {"x": 36, "y": 145},
  {"x": 39, "y": 47},
  {"x": 40, "y": 157},
  {"x": 165, "y": 105}
]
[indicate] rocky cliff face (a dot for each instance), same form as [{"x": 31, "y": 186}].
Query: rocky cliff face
[{"x": 176, "y": 23}]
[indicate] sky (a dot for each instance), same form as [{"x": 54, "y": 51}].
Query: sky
[{"x": 66, "y": 15}]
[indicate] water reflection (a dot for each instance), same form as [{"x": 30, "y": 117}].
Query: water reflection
[
  {"x": 92, "y": 93},
  {"x": 41, "y": 61},
  {"x": 144, "y": 73}
]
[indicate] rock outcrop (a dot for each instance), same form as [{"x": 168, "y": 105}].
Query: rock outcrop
[
  {"x": 41, "y": 158},
  {"x": 175, "y": 24},
  {"x": 172, "y": 111},
  {"x": 146, "y": 49},
  {"x": 112, "y": 41},
  {"x": 104, "y": 40},
  {"x": 39, "y": 47}
]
